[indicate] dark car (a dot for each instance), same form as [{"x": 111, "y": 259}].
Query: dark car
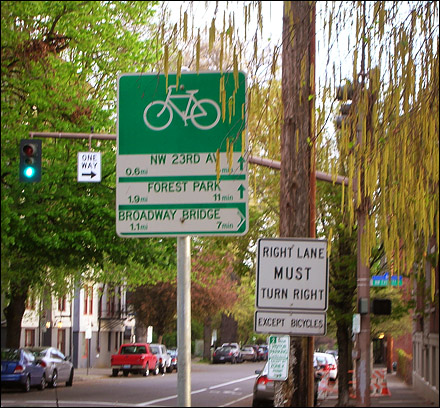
[
  {"x": 263, "y": 352},
  {"x": 264, "y": 390},
  {"x": 21, "y": 369},
  {"x": 225, "y": 354},
  {"x": 57, "y": 366},
  {"x": 173, "y": 354}
]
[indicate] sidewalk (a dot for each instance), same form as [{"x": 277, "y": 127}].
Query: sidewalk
[{"x": 402, "y": 395}]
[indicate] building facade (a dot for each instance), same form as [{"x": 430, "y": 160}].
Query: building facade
[{"x": 89, "y": 325}]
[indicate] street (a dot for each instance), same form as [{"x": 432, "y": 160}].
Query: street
[{"x": 212, "y": 386}]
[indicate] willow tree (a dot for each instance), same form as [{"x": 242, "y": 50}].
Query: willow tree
[{"x": 388, "y": 51}]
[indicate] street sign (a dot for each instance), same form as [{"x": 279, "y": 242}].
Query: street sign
[
  {"x": 292, "y": 274},
  {"x": 278, "y": 357},
  {"x": 292, "y": 323},
  {"x": 356, "y": 325},
  {"x": 180, "y": 163},
  {"x": 383, "y": 280},
  {"x": 89, "y": 167}
]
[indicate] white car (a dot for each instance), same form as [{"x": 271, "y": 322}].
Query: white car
[{"x": 327, "y": 363}]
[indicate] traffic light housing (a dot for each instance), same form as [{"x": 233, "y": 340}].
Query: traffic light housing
[
  {"x": 30, "y": 160},
  {"x": 381, "y": 306}
]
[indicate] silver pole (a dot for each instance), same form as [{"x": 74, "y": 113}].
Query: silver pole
[{"x": 184, "y": 321}]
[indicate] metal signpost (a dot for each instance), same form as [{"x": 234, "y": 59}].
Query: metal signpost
[
  {"x": 180, "y": 155},
  {"x": 180, "y": 171}
]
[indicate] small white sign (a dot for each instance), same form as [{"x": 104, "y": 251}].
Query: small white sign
[
  {"x": 292, "y": 323},
  {"x": 278, "y": 358},
  {"x": 88, "y": 334},
  {"x": 356, "y": 323},
  {"x": 89, "y": 167}
]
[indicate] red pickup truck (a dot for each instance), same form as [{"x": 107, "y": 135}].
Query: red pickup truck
[{"x": 135, "y": 358}]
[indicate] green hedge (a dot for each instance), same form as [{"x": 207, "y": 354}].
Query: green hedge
[{"x": 404, "y": 366}]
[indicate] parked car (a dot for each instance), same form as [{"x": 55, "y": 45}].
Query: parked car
[
  {"x": 228, "y": 353},
  {"x": 58, "y": 367},
  {"x": 21, "y": 369},
  {"x": 264, "y": 390},
  {"x": 334, "y": 353},
  {"x": 134, "y": 358},
  {"x": 263, "y": 352},
  {"x": 248, "y": 353},
  {"x": 163, "y": 358},
  {"x": 326, "y": 363},
  {"x": 173, "y": 354}
]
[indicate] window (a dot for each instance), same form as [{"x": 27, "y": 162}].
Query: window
[
  {"x": 88, "y": 300},
  {"x": 62, "y": 304},
  {"x": 29, "y": 337},
  {"x": 30, "y": 302},
  {"x": 116, "y": 341},
  {"x": 61, "y": 340}
]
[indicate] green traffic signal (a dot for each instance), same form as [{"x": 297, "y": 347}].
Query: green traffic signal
[{"x": 30, "y": 160}]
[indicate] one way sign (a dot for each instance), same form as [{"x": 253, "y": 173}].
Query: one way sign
[{"x": 89, "y": 167}]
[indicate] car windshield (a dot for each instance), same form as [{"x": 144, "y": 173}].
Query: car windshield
[
  {"x": 155, "y": 349},
  {"x": 10, "y": 354},
  {"x": 37, "y": 352}
]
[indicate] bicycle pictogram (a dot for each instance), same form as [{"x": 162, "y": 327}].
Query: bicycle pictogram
[{"x": 204, "y": 113}]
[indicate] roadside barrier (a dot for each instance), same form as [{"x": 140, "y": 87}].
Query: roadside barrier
[{"x": 378, "y": 385}]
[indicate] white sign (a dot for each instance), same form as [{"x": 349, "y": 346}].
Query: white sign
[
  {"x": 292, "y": 323},
  {"x": 278, "y": 357},
  {"x": 89, "y": 167},
  {"x": 292, "y": 274},
  {"x": 88, "y": 334},
  {"x": 356, "y": 323}
]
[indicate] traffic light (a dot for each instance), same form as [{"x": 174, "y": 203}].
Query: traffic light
[
  {"x": 381, "y": 306},
  {"x": 30, "y": 160},
  {"x": 344, "y": 93}
]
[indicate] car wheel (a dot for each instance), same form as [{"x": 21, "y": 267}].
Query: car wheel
[
  {"x": 125, "y": 373},
  {"x": 156, "y": 370},
  {"x": 70, "y": 380},
  {"x": 27, "y": 384},
  {"x": 170, "y": 369},
  {"x": 115, "y": 372},
  {"x": 43, "y": 383},
  {"x": 54, "y": 381},
  {"x": 146, "y": 372}
]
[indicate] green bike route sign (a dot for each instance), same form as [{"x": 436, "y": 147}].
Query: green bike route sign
[{"x": 173, "y": 140}]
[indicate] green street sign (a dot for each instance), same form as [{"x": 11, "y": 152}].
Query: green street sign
[{"x": 180, "y": 167}]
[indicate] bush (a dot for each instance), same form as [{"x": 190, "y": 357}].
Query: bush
[{"x": 404, "y": 366}]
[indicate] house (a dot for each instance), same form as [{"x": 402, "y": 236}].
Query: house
[
  {"x": 88, "y": 325},
  {"x": 425, "y": 374}
]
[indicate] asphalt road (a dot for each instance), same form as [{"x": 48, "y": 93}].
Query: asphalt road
[{"x": 212, "y": 385}]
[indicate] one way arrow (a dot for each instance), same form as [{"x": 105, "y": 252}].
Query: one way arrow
[{"x": 91, "y": 174}]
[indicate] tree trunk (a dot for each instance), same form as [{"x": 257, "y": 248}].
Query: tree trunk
[
  {"x": 14, "y": 314},
  {"x": 295, "y": 171},
  {"x": 207, "y": 333},
  {"x": 344, "y": 362}
]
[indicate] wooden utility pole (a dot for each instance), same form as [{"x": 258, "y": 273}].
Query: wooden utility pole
[{"x": 295, "y": 172}]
